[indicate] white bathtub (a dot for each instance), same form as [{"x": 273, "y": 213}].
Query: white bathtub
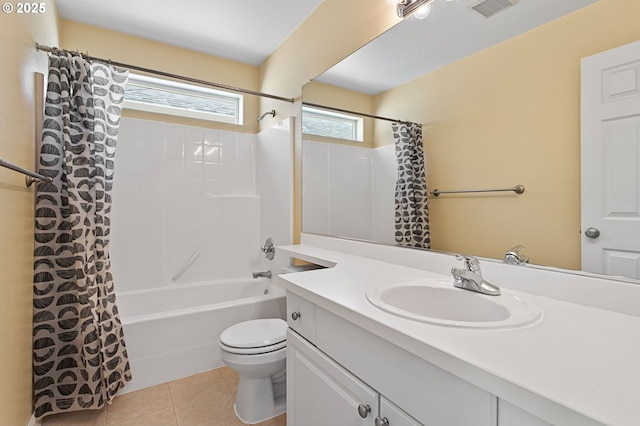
[{"x": 173, "y": 332}]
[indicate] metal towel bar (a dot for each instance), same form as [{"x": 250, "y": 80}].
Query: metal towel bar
[
  {"x": 518, "y": 189},
  {"x": 30, "y": 176}
]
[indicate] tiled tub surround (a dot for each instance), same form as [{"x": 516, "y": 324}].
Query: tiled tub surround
[
  {"x": 184, "y": 193},
  {"x": 274, "y": 185},
  {"x": 577, "y": 366},
  {"x": 178, "y": 189},
  {"x": 349, "y": 190}
]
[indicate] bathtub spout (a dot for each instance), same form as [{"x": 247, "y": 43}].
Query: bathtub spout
[{"x": 266, "y": 274}]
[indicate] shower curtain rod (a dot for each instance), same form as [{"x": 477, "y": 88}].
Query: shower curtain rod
[
  {"x": 378, "y": 117},
  {"x": 167, "y": 74}
]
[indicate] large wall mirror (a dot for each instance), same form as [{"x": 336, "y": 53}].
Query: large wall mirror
[{"x": 499, "y": 102}]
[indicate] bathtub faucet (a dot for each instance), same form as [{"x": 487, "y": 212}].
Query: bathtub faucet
[{"x": 266, "y": 274}]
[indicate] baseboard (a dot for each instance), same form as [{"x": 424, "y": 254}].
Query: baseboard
[{"x": 33, "y": 421}]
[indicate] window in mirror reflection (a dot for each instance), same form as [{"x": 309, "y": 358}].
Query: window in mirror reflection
[{"x": 331, "y": 124}]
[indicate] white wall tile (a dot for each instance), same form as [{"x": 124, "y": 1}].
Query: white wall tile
[
  {"x": 147, "y": 166},
  {"x": 193, "y": 152},
  {"x": 129, "y": 185},
  {"x": 131, "y": 128},
  {"x": 175, "y": 134},
  {"x": 154, "y": 130},
  {"x": 183, "y": 189},
  {"x": 193, "y": 135},
  {"x": 211, "y": 153},
  {"x": 213, "y": 187},
  {"x": 154, "y": 185},
  {"x": 175, "y": 150},
  {"x": 228, "y": 147},
  {"x": 211, "y": 137},
  {"x": 174, "y": 168},
  {"x": 274, "y": 171},
  {"x": 343, "y": 185},
  {"x": 153, "y": 148},
  {"x": 211, "y": 171},
  {"x": 193, "y": 169},
  {"x": 383, "y": 194}
]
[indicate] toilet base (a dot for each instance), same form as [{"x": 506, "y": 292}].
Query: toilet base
[{"x": 255, "y": 401}]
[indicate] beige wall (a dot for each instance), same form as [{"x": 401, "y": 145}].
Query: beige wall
[
  {"x": 511, "y": 115},
  {"x": 19, "y": 33},
  {"x": 145, "y": 53}
]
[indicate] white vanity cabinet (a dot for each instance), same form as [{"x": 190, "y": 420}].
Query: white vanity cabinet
[
  {"x": 392, "y": 415},
  {"x": 342, "y": 368},
  {"x": 510, "y": 415},
  {"x": 301, "y": 316},
  {"x": 320, "y": 392}
]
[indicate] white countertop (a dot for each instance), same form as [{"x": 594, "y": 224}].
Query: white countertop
[{"x": 578, "y": 365}]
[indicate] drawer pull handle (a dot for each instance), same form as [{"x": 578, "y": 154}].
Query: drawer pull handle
[
  {"x": 382, "y": 421},
  {"x": 364, "y": 410},
  {"x": 295, "y": 315}
]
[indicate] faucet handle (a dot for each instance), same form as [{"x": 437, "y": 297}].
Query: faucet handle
[
  {"x": 457, "y": 272},
  {"x": 513, "y": 255},
  {"x": 470, "y": 263}
]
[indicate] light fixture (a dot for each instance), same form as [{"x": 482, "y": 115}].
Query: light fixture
[
  {"x": 423, "y": 11},
  {"x": 407, "y": 7}
]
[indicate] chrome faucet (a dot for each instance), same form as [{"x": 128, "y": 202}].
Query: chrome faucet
[
  {"x": 514, "y": 257},
  {"x": 470, "y": 277},
  {"x": 266, "y": 274}
]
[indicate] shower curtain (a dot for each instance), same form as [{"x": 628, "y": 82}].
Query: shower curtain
[
  {"x": 411, "y": 213},
  {"x": 79, "y": 354}
]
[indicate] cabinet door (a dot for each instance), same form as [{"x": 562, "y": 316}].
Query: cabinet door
[
  {"x": 394, "y": 415},
  {"x": 321, "y": 393},
  {"x": 510, "y": 415}
]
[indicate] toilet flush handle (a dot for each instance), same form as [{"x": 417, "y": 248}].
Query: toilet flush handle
[{"x": 295, "y": 315}]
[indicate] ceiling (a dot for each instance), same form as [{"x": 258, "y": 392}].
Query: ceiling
[
  {"x": 246, "y": 31},
  {"x": 452, "y": 31}
]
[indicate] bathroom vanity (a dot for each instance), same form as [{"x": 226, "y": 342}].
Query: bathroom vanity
[{"x": 349, "y": 362}]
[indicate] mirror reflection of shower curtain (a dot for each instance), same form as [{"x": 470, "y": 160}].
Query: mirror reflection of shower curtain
[
  {"x": 411, "y": 212},
  {"x": 79, "y": 355}
]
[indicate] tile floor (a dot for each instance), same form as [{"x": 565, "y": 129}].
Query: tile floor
[{"x": 204, "y": 399}]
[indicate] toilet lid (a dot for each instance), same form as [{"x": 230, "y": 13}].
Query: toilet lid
[{"x": 255, "y": 333}]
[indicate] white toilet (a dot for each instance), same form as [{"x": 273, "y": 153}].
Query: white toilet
[{"x": 256, "y": 350}]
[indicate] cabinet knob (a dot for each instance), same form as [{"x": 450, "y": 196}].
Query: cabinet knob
[
  {"x": 364, "y": 410},
  {"x": 382, "y": 421},
  {"x": 295, "y": 315}
]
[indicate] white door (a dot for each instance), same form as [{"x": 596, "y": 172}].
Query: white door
[{"x": 610, "y": 134}]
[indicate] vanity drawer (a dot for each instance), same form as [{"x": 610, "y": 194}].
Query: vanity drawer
[{"x": 301, "y": 316}]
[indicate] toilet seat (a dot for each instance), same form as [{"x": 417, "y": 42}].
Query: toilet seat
[{"x": 255, "y": 337}]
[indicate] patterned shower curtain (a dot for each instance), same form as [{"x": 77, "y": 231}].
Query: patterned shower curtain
[
  {"x": 79, "y": 354},
  {"x": 411, "y": 213}
]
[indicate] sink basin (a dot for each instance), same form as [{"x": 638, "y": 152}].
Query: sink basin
[{"x": 437, "y": 301}]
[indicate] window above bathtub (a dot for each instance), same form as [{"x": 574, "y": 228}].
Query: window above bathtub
[
  {"x": 157, "y": 95},
  {"x": 332, "y": 124}
]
